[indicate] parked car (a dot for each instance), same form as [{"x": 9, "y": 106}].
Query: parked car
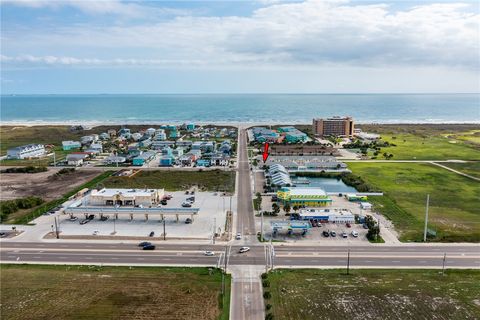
[
  {"x": 326, "y": 234},
  {"x": 144, "y": 243},
  {"x": 3, "y": 234},
  {"x": 244, "y": 249},
  {"x": 149, "y": 247},
  {"x": 151, "y": 234},
  {"x": 84, "y": 221},
  {"x": 104, "y": 218},
  {"x": 344, "y": 234},
  {"x": 348, "y": 225},
  {"x": 238, "y": 236},
  {"x": 354, "y": 233},
  {"x": 188, "y": 221},
  {"x": 333, "y": 233},
  {"x": 91, "y": 217},
  {"x": 186, "y": 204},
  {"x": 314, "y": 223},
  {"x": 209, "y": 253},
  {"x": 73, "y": 219},
  {"x": 365, "y": 226}
]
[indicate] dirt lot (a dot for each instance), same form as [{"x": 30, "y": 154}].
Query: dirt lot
[
  {"x": 87, "y": 292},
  {"x": 43, "y": 184}
]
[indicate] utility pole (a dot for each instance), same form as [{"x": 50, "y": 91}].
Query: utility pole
[
  {"x": 261, "y": 226},
  {"x": 443, "y": 267},
  {"x": 114, "y": 226},
  {"x": 426, "y": 219},
  {"x": 164, "y": 234},
  {"x": 214, "y": 229},
  {"x": 54, "y": 159},
  {"x": 56, "y": 227},
  {"x": 348, "y": 262}
]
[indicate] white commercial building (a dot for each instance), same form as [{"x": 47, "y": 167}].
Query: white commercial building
[
  {"x": 330, "y": 215},
  {"x": 27, "y": 151},
  {"x": 125, "y": 197}
]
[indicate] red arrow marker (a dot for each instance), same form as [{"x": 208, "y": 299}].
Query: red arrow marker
[{"x": 265, "y": 152}]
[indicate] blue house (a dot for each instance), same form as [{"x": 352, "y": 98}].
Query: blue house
[
  {"x": 69, "y": 145},
  {"x": 203, "y": 163},
  {"x": 191, "y": 127},
  {"x": 166, "y": 161},
  {"x": 143, "y": 158}
]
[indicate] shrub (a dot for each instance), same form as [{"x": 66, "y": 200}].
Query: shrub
[
  {"x": 266, "y": 283},
  {"x": 269, "y": 316},
  {"x": 267, "y": 295},
  {"x": 268, "y": 306}
]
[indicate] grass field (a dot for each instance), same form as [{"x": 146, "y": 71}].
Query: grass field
[
  {"x": 429, "y": 142},
  {"x": 374, "y": 294},
  {"x": 454, "y": 211},
  {"x": 470, "y": 168},
  {"x": 82, "y": 292},
  {"x": 211, "y": 180}
]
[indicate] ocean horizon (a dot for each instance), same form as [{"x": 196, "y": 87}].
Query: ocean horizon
[{"x": 97, "y": 109}]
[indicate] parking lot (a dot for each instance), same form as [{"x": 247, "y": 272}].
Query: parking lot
[
  {"x": 213, "y": 207},
  {"x": 316, "y": 233}
]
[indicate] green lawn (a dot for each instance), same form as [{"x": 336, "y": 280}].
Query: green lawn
[
  {"x": 429, "y": 141},
  {"x": 434, "y": 147},
  {"x": 211, "y": 180},
  {"x": 83, "y": 292},
  {"x": 454, "y": 200},
  {"x": 470, "y": 168},
  {"x": 374, "y": 294}
]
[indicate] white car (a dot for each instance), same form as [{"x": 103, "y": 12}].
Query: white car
[
  {"x": 244, "y": 249},
  {"x": 209, "y": 253},
  {"x": 354, "y": 233},
  {"x": 238, "y": 236}
]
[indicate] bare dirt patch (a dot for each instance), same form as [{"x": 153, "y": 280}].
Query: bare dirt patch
[{"x": 42, "y": 184}]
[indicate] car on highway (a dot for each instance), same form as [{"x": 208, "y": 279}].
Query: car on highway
[
  {"x": 104, "y": 218},
  {"x": 186, "y": 204},
  {"x": 167, "y": 197},
  {"x": 209, "y": 253},
  {"x": 144, "y": 243},
  {"x": 84, "y": 221},
  {"x": 164, "y": 202},
  {"x": 326, "y": 234},
  {"x": 191, "y": 199},
  {"x": 149, "y": 247},
  {"x": 188, "y": 221},
  {"x": 73, "y": 219},
  {"x": 333, "y": 233},
  {"x": 244, "y": 249},
  {"x": 354, "y": 234},
  {"x": 151, "y": 234},
  {"x": 238, "y": 236},
  {"x": 91, "y": 217}
]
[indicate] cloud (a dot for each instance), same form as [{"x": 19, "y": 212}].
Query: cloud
[
  {"x": 89, "y": 6},
  {"x": 310, "y": 33}
]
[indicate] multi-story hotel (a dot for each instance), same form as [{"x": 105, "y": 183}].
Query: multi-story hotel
[{"x": 336, "y": 126}]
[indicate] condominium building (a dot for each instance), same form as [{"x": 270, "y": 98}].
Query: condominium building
[
  {"x": 27, "y": 151},
  {"x": 336, "y": 126}
]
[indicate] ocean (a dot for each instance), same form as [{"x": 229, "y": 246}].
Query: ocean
[{"x": 239, "y": 108}]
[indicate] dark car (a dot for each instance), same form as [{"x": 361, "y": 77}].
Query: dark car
[
  {"x": 186, "y": 205},
  {"x": 188, "y": 221},
  {"x": 192, "y": 199},
  {"x": 144, "y": 243},
  {"x": 326, "y": 234},
  {"x": 348, "y": 225},
  {"x": 149, "y": 247},
  {"x": 91, "y": 217},
  {"x": 84, "y": 221},
  {"x": 152, "y": 234},
  {"x": 104, "y": 218},
  {"x": 163, "y": 202}
]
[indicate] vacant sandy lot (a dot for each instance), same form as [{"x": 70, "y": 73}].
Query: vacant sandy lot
[{"x": 43, "y": 184}]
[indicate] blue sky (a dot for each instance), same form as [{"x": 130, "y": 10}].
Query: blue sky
[{"x": 263, "y": 46}]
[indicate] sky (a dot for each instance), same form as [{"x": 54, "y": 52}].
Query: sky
[{"x": 259, "y": 46}]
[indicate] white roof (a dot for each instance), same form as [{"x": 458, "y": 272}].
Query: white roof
[
  {"x": 129, "y": 192},
  {"x": 307, "y": 191}
]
